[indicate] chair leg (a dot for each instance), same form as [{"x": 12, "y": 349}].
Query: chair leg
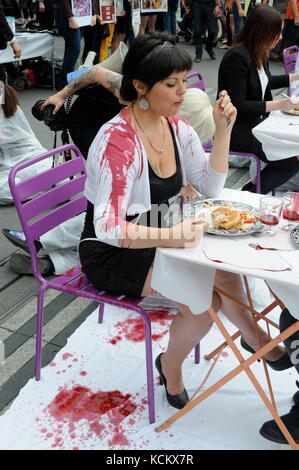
[
  {"x": 197, "y": 353},
  {"x": 101, "y": 312},
  {"x": 149, "y": 369},
  {"x": 258, "y": 176},
  {"x": 39, "y": 332}
]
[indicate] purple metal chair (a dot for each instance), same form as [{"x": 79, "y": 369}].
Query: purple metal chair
[
  {"x": 198, "y": 83},
  {"x": 289, "y": 57},
  {"x": 41, "y": 206},
  {"x": 249, "y": 155}
]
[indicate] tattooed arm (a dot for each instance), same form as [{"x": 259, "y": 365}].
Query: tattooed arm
[{"x": 97, "y": 74}]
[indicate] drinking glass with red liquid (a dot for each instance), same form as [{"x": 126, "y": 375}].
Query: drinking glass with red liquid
[
  {"x": 270, "y": 210},
  {"x": 290, "y": 208}
]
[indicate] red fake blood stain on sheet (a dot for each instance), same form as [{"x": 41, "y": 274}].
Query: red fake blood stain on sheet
[
  {"x": 132, "y": 329},
  {"x": 80, "y": 403}
]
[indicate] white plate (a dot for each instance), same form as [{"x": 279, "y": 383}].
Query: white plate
[
  {"x": 198, "y": 207},
  {"x": 292, "y": 112}
]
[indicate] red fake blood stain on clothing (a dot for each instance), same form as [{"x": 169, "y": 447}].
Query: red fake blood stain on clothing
[
  {"x": 80, "y": 403},
  {"x": 132, "y": 329},
  {"x": 119, "y": 156}
]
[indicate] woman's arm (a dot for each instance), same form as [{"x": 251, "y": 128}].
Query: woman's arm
[
  {"x": 97, "y": 74},
  {"x": 234, "y": 74},
  {"x": 208, "y": 177}
]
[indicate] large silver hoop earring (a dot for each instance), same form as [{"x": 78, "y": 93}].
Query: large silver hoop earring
[{"x": 144, "y": 104}]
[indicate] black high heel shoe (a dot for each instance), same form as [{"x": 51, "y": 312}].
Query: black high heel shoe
[
  {"x": 177, "y": 401},
  {"x": 281, "y": 364}
]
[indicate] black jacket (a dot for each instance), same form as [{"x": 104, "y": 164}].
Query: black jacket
[
  {"x": 238, "y": 75},
  {"x": 6, "y": 33}
]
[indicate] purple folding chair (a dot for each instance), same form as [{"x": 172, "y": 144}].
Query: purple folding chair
[
  {"x": 289, "y": 57},
  {"x": 249, "y": 155},
  {"x": 41, "y": 206},
  {"x": 198, "y": 83}
]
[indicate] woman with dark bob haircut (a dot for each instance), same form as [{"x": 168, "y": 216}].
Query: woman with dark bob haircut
[
  {"x": 139, "y": 160},
  {"x": 244, "y": 73}
]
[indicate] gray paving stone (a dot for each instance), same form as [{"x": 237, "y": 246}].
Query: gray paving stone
[
  {"x": 7, "y": 276},
  {"x": 63, "y": 319},
  {"x": 15, "y": 292},
  {"x": 19, "y": 368},
  {"x": 20, "y": 317}
]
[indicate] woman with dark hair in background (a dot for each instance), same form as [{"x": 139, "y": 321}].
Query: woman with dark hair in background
[{"x": 244, "y": 73}]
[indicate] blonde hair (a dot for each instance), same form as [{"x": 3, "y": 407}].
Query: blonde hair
[{"x": 197, "y": 109}]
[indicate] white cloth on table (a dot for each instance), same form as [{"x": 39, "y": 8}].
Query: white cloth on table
[
  {"x": 278, "y": 135},
  {"x": 32, "y": 45},
  {"x": 187, "y": 276},
  {"x": 292, "y": 259},
  {"x": 245, "y": 256}
]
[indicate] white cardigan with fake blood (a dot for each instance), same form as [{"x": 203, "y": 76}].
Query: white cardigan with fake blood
[{"x": 117, "y": 181}]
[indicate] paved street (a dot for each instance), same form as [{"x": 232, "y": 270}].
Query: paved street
[{"x": 63, "y": 313}]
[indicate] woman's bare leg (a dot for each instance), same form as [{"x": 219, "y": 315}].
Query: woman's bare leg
[
  {"x": 186, "y": 330},
  {"x": 143, "y": 23},
  {"x": 240, "y": 317},
  {"x": 152, "y": 23}
]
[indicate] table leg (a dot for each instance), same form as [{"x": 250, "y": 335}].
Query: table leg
[{"x": 244, "y": 366}]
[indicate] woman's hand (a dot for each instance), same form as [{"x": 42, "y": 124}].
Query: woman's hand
[
  {"x": 187, "y": 234},
  {"x": 73, "y": 23},
  {"x": 58, "y": 100},
  {"x": 189, "y": 193},
  {"x": 286, "y": 104},
  {"x": 224, "y": 112},
  {"x": 16, "y": 49}
]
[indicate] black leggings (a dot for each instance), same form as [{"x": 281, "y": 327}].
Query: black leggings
[{"x": 291, "y": 343}]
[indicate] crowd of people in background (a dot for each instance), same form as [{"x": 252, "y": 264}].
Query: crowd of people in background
[{"x": 199, "y": 21}]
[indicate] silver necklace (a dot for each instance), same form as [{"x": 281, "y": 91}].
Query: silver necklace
[{"x": 164, "y": 136}]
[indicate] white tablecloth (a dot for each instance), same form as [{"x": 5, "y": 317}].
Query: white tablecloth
[
  {"x": 32, "y": 45},
  {"x": 279, "y": 135},
  {"x": 187, "y": 275}
]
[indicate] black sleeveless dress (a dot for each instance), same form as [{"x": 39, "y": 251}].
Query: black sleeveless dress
[{"x": 123, "y": 271}]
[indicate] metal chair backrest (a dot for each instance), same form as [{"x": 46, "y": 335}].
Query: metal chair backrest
[
  {"x": 198, "y": 83},
  {"x": 49, "y": 198},
  {"x": 289, "y": 57}
]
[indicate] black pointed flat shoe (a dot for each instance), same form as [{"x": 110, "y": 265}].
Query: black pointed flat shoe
[
  {"x": 18, "y": 239},
  {"x": 177, "y": 401},
  {"x": 281, "y": 364}
]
